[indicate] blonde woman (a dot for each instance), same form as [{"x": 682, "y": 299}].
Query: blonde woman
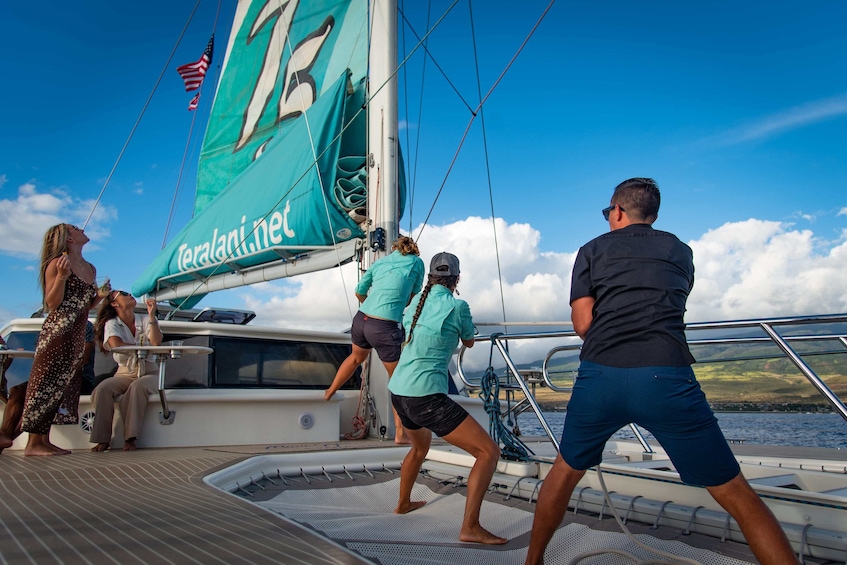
[
  {"x": 68, "y": 285},
  {"x": 384, "y": 292}
]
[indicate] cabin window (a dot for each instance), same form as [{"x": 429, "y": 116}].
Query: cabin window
[
  {"x": 278, "y": 364},
  {"x": 189, "y": 371}
]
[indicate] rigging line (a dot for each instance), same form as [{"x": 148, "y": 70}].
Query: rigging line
[
  {"x": 179, "y": 176},
  {"x": 138, "y": 120},
  {"x": 411, "y": 187},
  {"x": 422, "y": 43},
  {"x": 487, "y": 166},
  {"x": 318, "y": 172},
  {"x": 481, "y": 104},
  {"x": 188, "y": 144},
  {"x": 420, "y": 122},
  {"x": 403, "y": 63}
]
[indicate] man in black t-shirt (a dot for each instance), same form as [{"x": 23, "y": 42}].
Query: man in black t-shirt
[{"x": 628, "y": 294}]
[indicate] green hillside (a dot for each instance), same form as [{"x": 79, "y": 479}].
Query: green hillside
[{"x": 751, "y": 384}]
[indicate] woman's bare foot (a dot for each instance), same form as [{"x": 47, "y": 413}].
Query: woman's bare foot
[
  {"x": 102, "y": 446},
  {"x": 39, "y": 449},
  {"x": 406, "y": 508},
  {"x": 59, "y": 451},
  {"x": 481, "y": 535},
  {"x": 129, "y": 445},
  {"x": 5, "y": 442},
  {"x": 401, "y": 439}
]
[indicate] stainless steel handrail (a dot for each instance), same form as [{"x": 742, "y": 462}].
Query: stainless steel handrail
[{"x": 766, "y": 325}]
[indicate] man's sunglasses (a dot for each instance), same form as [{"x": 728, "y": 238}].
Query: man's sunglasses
[{"x": 607, "y": 211}]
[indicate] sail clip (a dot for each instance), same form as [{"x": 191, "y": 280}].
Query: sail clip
[{"x": 378, "y": 239}]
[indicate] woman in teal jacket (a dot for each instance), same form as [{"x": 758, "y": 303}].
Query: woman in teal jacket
[
  {"x": 435, "y": 322},
  {"x": 384, "y": 291}
]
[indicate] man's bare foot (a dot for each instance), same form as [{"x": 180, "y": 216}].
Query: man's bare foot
[
  {"x": 102, "y": 446},
  {"x": 129, "y": 445},
  {"x": 406, "y": 508},
  {"x": 481, "y": 535},
  {"x": 5, "y": 442},
  {"x": 40, "y": 450}
]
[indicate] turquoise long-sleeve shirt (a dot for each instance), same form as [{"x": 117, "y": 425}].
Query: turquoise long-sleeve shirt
[
  {"x": 422, "y": 369},
  {"x": 389, "y": 283}
]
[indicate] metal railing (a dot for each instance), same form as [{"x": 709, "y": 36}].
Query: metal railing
[{"x": 515, "y": 379}]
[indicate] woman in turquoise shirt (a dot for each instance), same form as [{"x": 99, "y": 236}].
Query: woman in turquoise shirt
[
  {"x": 435, "y": 322},
  {"x": 384, "y": 291}
]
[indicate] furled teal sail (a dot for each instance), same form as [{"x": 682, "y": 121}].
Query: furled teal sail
[
  {"x": 263, "y": 86},
  {"x": 283, "y": 166}
]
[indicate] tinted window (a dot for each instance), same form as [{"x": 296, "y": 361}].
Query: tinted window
[
  {"x": 189, "y": 371},
  {"x": 278, "y": 364}
]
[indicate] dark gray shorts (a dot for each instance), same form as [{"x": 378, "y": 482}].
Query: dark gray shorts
[
  {"x": 436, "y": 412},
  {"x": 383, "y": 335}
]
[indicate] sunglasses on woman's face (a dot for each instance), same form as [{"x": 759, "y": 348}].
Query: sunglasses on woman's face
[{"x": 119, "y": 293}]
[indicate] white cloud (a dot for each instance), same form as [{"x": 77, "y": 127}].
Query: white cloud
[
  {"x": 23, "y": 220},
  {"x": 793, "y": 118},
  {"x": 535, "y": 283},
  {"x": 758, "y": 268},
  {"x": 842, "y": 212},
  {"x": 748, "y": 269}
]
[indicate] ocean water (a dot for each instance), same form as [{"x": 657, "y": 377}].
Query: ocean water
[{"x": 757, "y": 428}]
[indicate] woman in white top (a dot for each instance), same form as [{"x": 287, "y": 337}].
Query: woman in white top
[{"x": 116, "y": 325}]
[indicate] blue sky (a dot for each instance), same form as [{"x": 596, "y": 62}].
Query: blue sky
[{"x": 738, "y": 110}]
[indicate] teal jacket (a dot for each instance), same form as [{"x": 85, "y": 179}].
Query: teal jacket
[{"x": 389, "y": 283}]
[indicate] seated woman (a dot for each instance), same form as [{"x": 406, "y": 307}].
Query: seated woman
[{"x": 116, "y": 325}]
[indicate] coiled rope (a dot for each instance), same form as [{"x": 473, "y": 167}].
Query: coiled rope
[{"x": 513, "y": 448}]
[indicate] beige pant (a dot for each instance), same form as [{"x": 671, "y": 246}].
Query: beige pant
[{"x": 135, "y": 391}]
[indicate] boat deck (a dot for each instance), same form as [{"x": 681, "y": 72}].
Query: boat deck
[{"x": 151, "y": 506}]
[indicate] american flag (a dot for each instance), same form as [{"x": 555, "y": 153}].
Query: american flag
[
  {"x": 194, "y": 73},
  {"x": 194, "y": 102}
]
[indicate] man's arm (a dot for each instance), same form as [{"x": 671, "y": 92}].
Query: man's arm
[{"x": 582, "y": 314}]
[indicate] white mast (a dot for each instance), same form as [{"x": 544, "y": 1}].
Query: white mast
[{"x": 383, "y": 159}]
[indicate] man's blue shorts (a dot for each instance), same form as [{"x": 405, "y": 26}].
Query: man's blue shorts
[{"x": 667, "y": 401}]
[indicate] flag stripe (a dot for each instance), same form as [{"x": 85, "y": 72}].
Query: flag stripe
[{"x": 194, "y": 73}]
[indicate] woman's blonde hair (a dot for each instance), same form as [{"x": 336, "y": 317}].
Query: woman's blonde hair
[
  {"x": 55, "y": 243},
  {"x": 405, "y": 245}
]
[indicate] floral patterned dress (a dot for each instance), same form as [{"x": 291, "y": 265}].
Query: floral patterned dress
[{"x": 59, "y": 351}]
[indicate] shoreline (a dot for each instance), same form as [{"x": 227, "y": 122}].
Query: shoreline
[{"x": 747, "y": 408}]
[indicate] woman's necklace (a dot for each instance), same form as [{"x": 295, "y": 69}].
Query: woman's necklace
[{"x": 83, "y": 270}]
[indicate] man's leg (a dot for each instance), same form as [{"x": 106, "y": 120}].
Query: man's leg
[
  {"x": 758, "y": 524},
  {"x": 12, "y": 416},
  {"x": 550, "y": 508}
]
